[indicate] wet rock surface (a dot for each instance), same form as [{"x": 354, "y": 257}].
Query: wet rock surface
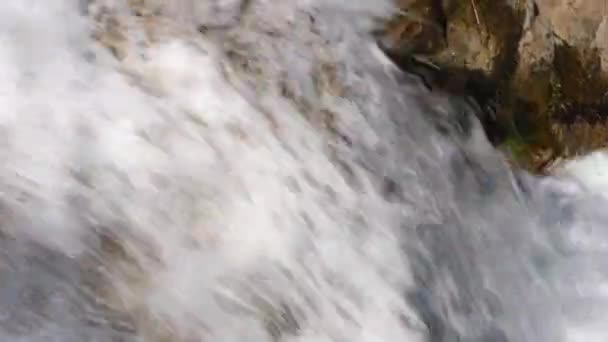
[{"x": 538, "y": 69}]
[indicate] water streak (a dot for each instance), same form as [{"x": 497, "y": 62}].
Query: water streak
[{"x": 268, "y": 175}]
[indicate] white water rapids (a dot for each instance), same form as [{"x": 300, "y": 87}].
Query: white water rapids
[{"x": 272, "y": 178}]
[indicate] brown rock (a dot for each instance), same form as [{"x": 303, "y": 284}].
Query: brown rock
[{"x": 545, "y": 65}]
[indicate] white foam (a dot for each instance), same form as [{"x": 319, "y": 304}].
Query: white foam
[
  {"x": 591, "y": 170},
  {"x": 173, "y": 155},
  {"x": 223, "y": 193}
]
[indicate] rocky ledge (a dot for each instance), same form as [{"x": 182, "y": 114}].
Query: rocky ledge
[{"x": 538, "y": 68}]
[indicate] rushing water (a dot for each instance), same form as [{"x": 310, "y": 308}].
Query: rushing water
[{"x": 273, "y": 178}]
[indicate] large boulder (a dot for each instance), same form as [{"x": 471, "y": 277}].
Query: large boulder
[{"x": 539, "y": 66}]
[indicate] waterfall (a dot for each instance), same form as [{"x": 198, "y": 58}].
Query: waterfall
[{"x": 260, "y": 171}]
